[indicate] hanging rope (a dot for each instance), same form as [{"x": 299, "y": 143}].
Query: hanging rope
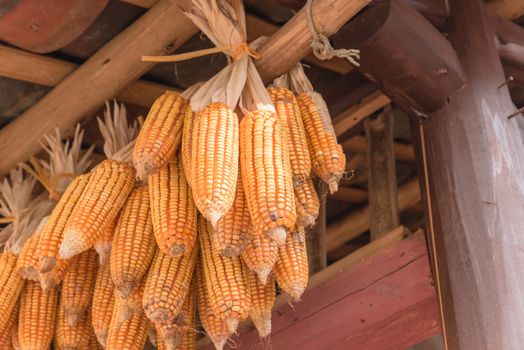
[{"x": 321, "y": 46}]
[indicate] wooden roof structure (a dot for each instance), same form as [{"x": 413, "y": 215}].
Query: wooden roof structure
[{"x": 410, "y": 256}]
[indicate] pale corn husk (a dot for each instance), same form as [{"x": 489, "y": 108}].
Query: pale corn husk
[
  {"x": 119, "y": 136},
  {"x": 224, "y": 26}
]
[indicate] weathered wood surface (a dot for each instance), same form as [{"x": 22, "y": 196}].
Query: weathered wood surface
[
  {"x": 358, "y": 144},
  {"x": 475, "y": 174},
  {"x": 161, "y": 30},
  {"x": 358, "y": 221},
  {"x": 350, "y": 194},
  {"x": 384, "y": 300},
  {"x": 404, "y": 54},
  {"x": 382, "y": 177},
  {"x": 316, "y": 236},
  {"x": 511, "y": 9}
]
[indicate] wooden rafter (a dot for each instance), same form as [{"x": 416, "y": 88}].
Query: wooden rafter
[
  {"x": 257, "y": 27},
  {"x": 358, "y": 221},
  {"x": 331, "y": 314},
  {"x": 350, "y": 194},
  {"x": 510, "y": 9},
  {"x": 358, "y": 144},
  {"x": 52, "y": 71}
]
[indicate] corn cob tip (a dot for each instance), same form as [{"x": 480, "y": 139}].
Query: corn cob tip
[
  {"x": 263, "y": 274},
  {"x": 159, "y": 315},
  {"x": 28, "y": 273},
  {"x": 231, "y": 251},
  {"x": 333, "y": 187},
  {"x": 144, "y": 167},
  {"x": 47, "y": 263},
  {"x": 70, "y": 245},
  {"x": 295, "y": 292},
  {"x": 307, "y": 221},
  {"x": 172, "y": 339},
  {"x": 232, "y": 324},
  {"x": 125, "y": 287},
  {"x": 72, "y": 317},
  {"x": 47, "y": 283},
  {"x": 277, "y": 234},
  {"x": 152, "y": 334},
  {"x": 102, "y": 339},
  {"x": 124, "y": 314},
  {"x": 214, "y": 216},
  {"x": 219, "y": 341},
  {"x": 104, "y": 252},
  {"x": 263, "y": 324},
  {"x": 177, "y": 249}
]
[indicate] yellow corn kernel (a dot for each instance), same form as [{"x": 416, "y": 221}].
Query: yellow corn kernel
[
  {"x": 173, "y": 210},
  {"x": 260, "y": 255},
  {"x": 15, "y": 339},
  {"x": 189, "y": 341},
  {"x": 187, "y": 140},
  {"x": 129, "y": 335},
  {"x": 104, "y": 243},
  {"x": 214, "y": 160},
  {"x": 53, "y": 231},
  {"x": 36, "y": 320},
  {"x": 27, "y": 262},
  {"x": 231, "y": 234},
  {"x": 11, "y": 286},
  {"x": 262, "y": 300},
  {"x": 291, "y": 268},
  {"x": 133, "y": 243},
  {"x": 109, "y": 185},
  {"x": 307, "y": 202},
  {"x": 78, "y": 285},
  {"x": 167, "y": 284},
  {"x": 214, "y": 327},
  {"x": 103, "y": 304},
  {"x": 229, "y": 297},
  {"x": 52, "y": 278},
  {"x": 327, "y": 157},
  {"x": 288, "y": 112},
  {"x": 266, "y": 174},
  {"x": 6, "y": 334},
  {"x": 72, "y": 337},
  {"x": 160, "y": 135}
]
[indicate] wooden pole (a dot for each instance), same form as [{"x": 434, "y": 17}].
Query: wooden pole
[
  {"x": 382, "y": 178},
  {"x": 316, "y": 236},
  {"x": 161, "y": 30},
  {"x": 471, "y": 154}
]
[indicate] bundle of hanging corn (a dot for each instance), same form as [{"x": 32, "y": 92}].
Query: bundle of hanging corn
[{"x": 203, "y": 214}]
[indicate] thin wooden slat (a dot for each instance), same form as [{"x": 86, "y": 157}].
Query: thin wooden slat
[
  {"x": 358, "y": 144},
  {"x": 510, "y": 9},
  {"x": 350, "y": 195},
  {"x": 358, "y": 221},
  {"x": 386, "y": 301}
]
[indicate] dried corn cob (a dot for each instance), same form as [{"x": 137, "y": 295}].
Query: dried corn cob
[
  {"x": 173, "y": 332},
  {"x": 106, "y": 192},
  {"x": 14, "y": 336},
  {"x": 133, "y": 244},
  {"x": 27, "y": 261},
  {"x": 36, "y": 322},
  {"x": 187, "y": 139},
  {"x": 189, "y": 341},
  {"x": 266, "y": 174},
  {"x": 167, "y": 284},
  {"x": 229, "y": 297},
  {"x": 103, "y": 303},
  {"x": 93, "y": 343},
  {"x": 152, "y": 335},
  {"x": 173, "y": 210},
  {"x": 307, "y": 202},
  {"x": 6, "y": 333},
  {"x": 160, "y": 135},
  {"x": 231, "y": 234},
  {"x": 11, "y": 285},
  {"x": 262, "y": 300},
  {"x": 77, "y": 286},
  {"x": 327, "y": 157},
  {"x": 215, "y": 328},
  {"x": 129, "y": 335},
  {"x": 260, "y": 255},
  {"x": 291, "y": 268},
  {"x": 72, "y": 337},
  {"x": 52, "y": 233},
  {"x": 129, "y": 306},
  {"x": 288, "y": 112},
  {"x": 54, "y": 277},
  {"x": 214, "y": 160},
  {"x": 104, "y": 242}
]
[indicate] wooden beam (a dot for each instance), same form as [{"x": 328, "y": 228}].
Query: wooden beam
[
  {"x": 159, "y": 31},
  {"x": 358, "y": 144},
  {"x": 422, "y": 69},
  {"x": 384, "y": 301},
  {"x": 257, "y": 27},
  {"x": 473, "y": 171},
  {"x": 358, "y": 221},
  {"x": 316, "y": 236},
  {"x": 382, "y": 178},
  {"x": 52, "y": 71},
  {"x": 350, "y": 195},
  {"x": 354, "y": 115},
  {"x": 510, "y": 9}
]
